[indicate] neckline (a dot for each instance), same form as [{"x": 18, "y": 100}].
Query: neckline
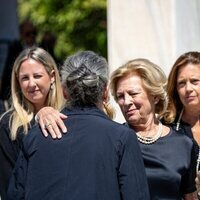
[{"x": 151, "y": 140}]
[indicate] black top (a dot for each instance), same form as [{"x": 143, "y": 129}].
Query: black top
[
  {"x": 97, "y": 159},
  {"x": 9, "y": 151},
  {"x": 185, "y": 129},
  {"x": 170, "y": 166}
]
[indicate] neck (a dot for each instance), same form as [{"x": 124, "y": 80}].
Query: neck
[
  {"x": 145, "y": 126},
  {"x": 191, "y": 117}
]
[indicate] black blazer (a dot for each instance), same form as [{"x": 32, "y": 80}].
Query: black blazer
[{"x": 97, "y": 159}]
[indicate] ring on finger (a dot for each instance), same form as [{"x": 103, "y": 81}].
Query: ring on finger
[{"x": 47, "y": 125}]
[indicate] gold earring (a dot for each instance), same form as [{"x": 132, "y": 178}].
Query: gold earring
[{"x": 52, "y": 86}]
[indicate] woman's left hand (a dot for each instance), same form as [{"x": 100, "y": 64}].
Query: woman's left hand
[{"x": 51, "y": 122}]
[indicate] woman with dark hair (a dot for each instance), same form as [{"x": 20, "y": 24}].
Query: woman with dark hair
[{"x": 183, "y": 89}]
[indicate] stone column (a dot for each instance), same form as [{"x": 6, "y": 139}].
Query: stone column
[{"x": 159, "y": 30}]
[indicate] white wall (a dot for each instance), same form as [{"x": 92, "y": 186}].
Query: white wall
[{"x": 159, "y": 30}]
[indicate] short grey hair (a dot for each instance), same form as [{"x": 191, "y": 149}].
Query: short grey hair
[{"x": 84, "y": 76}]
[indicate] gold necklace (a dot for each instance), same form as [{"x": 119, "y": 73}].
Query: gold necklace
[{"x": 150, "y": 140}]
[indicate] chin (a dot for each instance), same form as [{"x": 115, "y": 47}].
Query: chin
[{"x": 132, "y": 121}]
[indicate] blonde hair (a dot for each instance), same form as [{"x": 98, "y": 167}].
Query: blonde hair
[
  {"x": 22, "y": 109},
  {"x": 153, "y": 80}
]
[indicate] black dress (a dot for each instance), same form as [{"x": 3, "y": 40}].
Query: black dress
[
  {"x": 185, "y": 129},
  {"x": 170, "y": 166}
]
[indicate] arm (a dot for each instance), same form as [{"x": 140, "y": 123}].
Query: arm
[
  {"x": 16, "y": 189},
  {"x": 188, "y": 180},
  {"x": 9, "y": 152},
  {"x": 51, "y": 122},
  {"x": 132, "y": 176}
]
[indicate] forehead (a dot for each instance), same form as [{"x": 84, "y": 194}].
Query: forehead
[
  {"x": 189, "y": 70},
  {"x": 129, "y": 82},
  {"x": 31, "y": 65}
]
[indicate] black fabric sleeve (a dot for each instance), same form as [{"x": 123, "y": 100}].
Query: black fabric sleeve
[
  {"x": 132, "y": 176},
  {"x": 16, "y": 188},
  {"x": 9, "y": 151},
  {"x": 188, "y": 180}
]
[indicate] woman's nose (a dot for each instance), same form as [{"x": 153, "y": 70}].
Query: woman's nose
[
  {"x": 127, "y": 99},
  {"x": 188, "y": 86},
  {"x": 32, "y": 82}
]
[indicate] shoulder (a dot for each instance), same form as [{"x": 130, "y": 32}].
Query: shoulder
[
  {"x": 123, "y": 134},
  {"x": 98, "y": 121},
  {"x": 6, "y": 116},
  {"x": 32, "y": 139},
  {"x": 33, "y": 132},
  {"x": 5, "y": 130},
  {"x": 5, "y": 120}
]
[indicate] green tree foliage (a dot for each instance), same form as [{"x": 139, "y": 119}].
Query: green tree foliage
[{"x": 77, "y": 24}]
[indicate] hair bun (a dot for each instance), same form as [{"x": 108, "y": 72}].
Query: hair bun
[{"x": 91, "y": 80}]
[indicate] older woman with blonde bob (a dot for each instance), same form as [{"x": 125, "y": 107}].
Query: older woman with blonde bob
[{"x": 139, "y": 88}]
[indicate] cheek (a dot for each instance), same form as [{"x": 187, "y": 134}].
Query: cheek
[
  {"x": 198, "y": 90},
  {"x": 181, "y": 92},
  {"x": 23, "y": 86}
]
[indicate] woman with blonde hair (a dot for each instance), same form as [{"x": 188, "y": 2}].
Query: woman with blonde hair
[
  {"x": 139, "y": 88},
  {"x": 35, "y": 84}
]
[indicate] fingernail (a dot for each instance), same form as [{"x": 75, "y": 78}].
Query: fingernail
[
  {"x": 59, "y": 136},
  {"x": 65, "y": 130}
]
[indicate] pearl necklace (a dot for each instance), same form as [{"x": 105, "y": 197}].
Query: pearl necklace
[
  {"x": 179, "y": 120},
  {"x": 198, "y": 161},
  {"x": 150, "y": 140}
]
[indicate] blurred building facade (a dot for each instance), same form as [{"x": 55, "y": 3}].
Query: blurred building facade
[{"x": 157, "y": 30}]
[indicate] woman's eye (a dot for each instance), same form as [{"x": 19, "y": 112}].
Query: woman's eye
[
  {"x": 37, "y": 76},
  {"x": 181, "y": 83},
  {"x": 119, "y": 97},
  {"x": 196, "y": 81},
  {"x": 133, "y": 93},
  {"x": 24, "y": 78}
]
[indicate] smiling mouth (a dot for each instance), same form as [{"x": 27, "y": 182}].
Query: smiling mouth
[
  {"x": 129, "y": 112},
  {"x": 33, "y": 92},
  {"x": 190, "y": 97}
]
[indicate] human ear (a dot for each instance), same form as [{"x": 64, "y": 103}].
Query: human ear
[{"x": 52, "y": 76}]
